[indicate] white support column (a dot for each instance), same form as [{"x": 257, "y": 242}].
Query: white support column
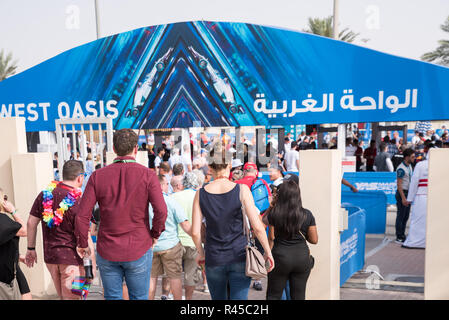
[
  {"x": 60, "y": 141},
  {"x": 22, "y": 176},
  {"x": 142, "y": 158},
  {"x": 100, "y": 134},
  {"x": 15, "y": 143},
  {"x": 110, "y": 134},
  {"x": 324, "y": 203},
  {"x": 66, "y": 153},
  {"x": 110, "y": 156},
  {"x": 91, "y": 139},
  {"x": 436, "y": 283},
  {"x": 341, "y": 139},
  {"x": 32, "y": 172},
  {"x": 74, "y": 140}
]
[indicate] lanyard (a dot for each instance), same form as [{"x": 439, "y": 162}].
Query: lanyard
[{"x": 124, "y": 160}]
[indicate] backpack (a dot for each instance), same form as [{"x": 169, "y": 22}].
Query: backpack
[{"x": 260, "y": 195}]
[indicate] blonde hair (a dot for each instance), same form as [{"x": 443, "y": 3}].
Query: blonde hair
[{"x": 2, "y": 209}]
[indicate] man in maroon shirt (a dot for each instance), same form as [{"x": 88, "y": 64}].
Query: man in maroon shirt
[
  {"x": 60, "y": 254},
  {"x": 123, "y": 191},
  {"x": 370, "y": 154}
]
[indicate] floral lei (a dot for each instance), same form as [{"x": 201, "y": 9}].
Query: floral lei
[{"x": 54, "y": 218}]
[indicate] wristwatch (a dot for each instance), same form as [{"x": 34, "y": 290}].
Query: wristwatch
[{"x": 31, "y": 248}]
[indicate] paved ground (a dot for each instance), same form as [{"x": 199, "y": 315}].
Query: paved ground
[{"x": 402, "y": 271}]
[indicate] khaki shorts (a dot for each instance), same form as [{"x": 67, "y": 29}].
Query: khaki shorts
[
  {"x": 63, "y": 276},
  {"x": 168, "y": 262},
  {"x": 192, "y": 272}
]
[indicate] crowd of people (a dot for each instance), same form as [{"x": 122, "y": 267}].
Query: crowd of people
[
  {"x": 410, "y": 162},
  {"x": 389, "y": 153},
  {"x": 180, "y": 218}
]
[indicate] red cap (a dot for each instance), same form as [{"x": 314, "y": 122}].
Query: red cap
[{"x": 249, "y": 165}]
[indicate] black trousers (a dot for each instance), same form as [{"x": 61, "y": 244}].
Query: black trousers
[
  {"x": 401, "y": 216},
  {"x": 292, "y": 263}
]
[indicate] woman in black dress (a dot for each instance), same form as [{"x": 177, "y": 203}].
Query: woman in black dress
[
  {"x": 293, "y": 226},
  {"x": 10, "y": 231}
]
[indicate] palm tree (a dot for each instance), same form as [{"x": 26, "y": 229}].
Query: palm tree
[
  {"x": 7, "y": 66},
  {"x": 323, "y": 27},
  {"x": 441, "y": 54}
]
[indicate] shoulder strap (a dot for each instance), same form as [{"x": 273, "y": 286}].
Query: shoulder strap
[{"x": 244, "y": 216}]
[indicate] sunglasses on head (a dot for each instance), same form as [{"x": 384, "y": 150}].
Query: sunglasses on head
[{"x": 83, "y": 173}]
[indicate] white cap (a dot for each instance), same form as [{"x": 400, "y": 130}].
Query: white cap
[{"x": 236, "y": 163}]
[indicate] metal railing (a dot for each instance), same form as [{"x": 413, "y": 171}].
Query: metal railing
[{"x": 63, "y": 141}]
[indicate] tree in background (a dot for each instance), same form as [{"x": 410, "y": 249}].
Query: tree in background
[
  {"x": 7, "y": 66},
  {"x": 441, "y": 54},
  {"x": 323, "y": 27}
]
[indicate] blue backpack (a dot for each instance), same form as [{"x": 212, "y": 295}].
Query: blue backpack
[{"x": 260, "y": 195}]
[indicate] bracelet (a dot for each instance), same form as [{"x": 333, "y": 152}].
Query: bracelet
[
  {"x": 14, "y": 212},
  {"x": 31, "y": 248}
]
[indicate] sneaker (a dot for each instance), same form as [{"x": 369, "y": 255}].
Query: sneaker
[
  {"x": 400, "y": 241},
  {"x": 169, "y": 297},
  {"x": 257, "y": 285}
]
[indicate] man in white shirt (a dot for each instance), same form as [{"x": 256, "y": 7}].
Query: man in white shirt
[
  {"x": 287, "y": 145},
  {"x": 350, "y": 148},
  {"x": 186, "y": 160},
  {"x": 174, "y": 158},
  {"x": 291, "y": 159},
  {"x": 416, "y": 139}
]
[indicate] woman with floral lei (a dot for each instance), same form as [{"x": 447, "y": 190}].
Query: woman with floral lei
[{"x": 56, "y": 208}]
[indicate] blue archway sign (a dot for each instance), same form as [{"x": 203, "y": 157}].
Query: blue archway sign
[{"x": 225, "y": 74}]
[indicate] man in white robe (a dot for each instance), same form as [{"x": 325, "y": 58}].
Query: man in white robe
[{"x": 417, "y": 197}]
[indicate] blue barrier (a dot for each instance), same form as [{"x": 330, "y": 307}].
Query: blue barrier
[
  {"x": 373, "y": 181},
  {"x": 375, "y": 205},
  {"x": 352, "y": 243}
]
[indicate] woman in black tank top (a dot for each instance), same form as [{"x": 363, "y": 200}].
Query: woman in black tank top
[{"x": 224, "y": 253}]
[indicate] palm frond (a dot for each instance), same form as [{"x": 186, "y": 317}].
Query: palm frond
[{"x": 8, "y": 67}]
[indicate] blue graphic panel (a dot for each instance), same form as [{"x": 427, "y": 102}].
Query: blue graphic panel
[{"x": 224, "y": 74}]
